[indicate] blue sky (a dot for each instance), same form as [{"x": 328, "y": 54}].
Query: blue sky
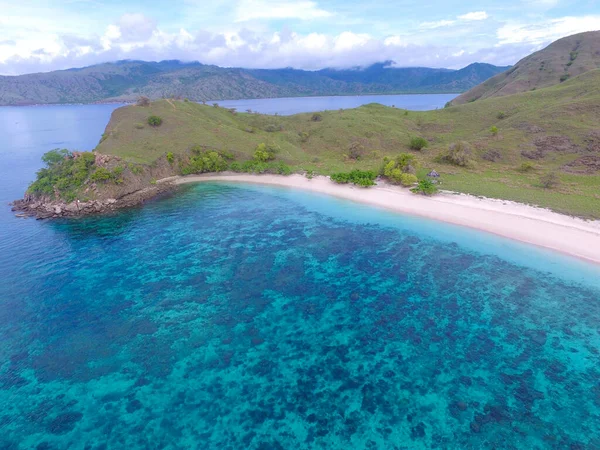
[{"x": 42, "y": 35}]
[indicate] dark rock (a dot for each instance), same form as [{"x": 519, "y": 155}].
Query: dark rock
[
  {"x": 418, "y": 432},
  {"x": 64, "y": 423}
]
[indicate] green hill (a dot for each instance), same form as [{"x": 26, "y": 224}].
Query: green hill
[
  {"x": 128, "y": 80},
  {"x": 561, "y": 60},
  {"x": 547, "y": 131}
]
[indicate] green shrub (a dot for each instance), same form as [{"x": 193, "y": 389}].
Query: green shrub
[
  {"x": 170, "y": 157},
  {"x": 395, "y": 169},
  {"x": 272, "y": 128},
  {"x": 202, "y": 162},
  {"x": 101, "y": 174},
  {"x": 154, "y": 121},
  {"x": 143, "y": 101},
  {"x": 356, "y": 151},
  {"x": 303, "y": 136},
  {"x": 408, "y": 179},
  {"x": 363, "y": 178},
  {"x": 425, "y": 187},
  {"x": 564, "y": 77},
  {"x": 526, "y": 167},
  {"x": 255, "y": 166},
  {"x": 494, "y": 130},
  {"x": 316, "y": 117},
  {"x": 550, "y": 180},
  {"x": 458, "y": 154},
  {"x": 418, "y": 143},
  {"x": 135, "y": 169},
  {"x": 501, "y": 115},
  {"x": 264, "y": 152}
]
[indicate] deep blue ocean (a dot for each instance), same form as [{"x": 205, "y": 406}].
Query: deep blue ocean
[{"x": 231, "y": 316}]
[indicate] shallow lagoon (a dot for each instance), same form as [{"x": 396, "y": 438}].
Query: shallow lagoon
[{"x": 233, "y": 316}]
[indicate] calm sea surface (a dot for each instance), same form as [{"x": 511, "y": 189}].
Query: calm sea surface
[
  {"x": 295, "y": 105},
  {"x": 230, "y": 316}
]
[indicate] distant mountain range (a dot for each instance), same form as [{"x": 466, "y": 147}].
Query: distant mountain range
[
  {"x": 561, "y": 60},
  {"x": 128, "y": 80}
]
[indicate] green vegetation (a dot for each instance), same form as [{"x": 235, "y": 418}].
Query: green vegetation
[
  {"x": 154, "y": 121},
  {"x": 526, "y": 167},
  {"x": 425, "y": 187},
  {"x": 103, "y": 175},
  {"x": 64, "y": 174},
  {"x": 204, "y": 161},
  {"x": 400, "y": 170},
  {"x": 253, "y": 166},
  {"x": 541, "y": 69},
  {"x": 418, "y": 143},
  {"x": 458, "y": 154},
  {"x": 550, "y": 180},
  {"x": 494, "y": 130},
  {"x": 364, "y": 178},
  {"x": 264, "y": 152},
  {"x": 554, "y": 125},
  {"x": 170, "y": 157}
]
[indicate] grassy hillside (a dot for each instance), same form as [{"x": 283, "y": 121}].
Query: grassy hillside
[
  {"x": 561, "y": 60},
  {"x": 127, "y": 80},
  {"x": 551, "y": 130}
]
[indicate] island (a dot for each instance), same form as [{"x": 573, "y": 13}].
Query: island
[{"x": 539, "y": 147}]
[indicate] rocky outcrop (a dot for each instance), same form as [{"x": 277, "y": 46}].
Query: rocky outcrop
[{"x": 44, "y": 208}]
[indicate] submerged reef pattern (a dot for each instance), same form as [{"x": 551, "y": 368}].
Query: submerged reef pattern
[{"x": 233, "y": 318}]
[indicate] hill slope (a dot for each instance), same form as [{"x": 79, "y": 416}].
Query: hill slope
[
  {"x": 565, "y": 58},
  {"x": 552, "y": 130},
  {"x": 127, "y": 80}
]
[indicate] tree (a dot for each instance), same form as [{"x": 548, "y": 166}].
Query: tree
[
  {"x": 154, "y": 121},
  {"x": 55, "y": 156},
  {"x": 494, "y": 131},
  {"x": 143, "y": 101}
]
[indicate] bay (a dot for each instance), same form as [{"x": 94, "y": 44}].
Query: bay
[
  {"x": 296, "y": 105},
  {"x": 238, "y": 316}
]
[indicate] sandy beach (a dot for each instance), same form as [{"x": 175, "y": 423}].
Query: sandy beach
[{"x": 537, "y": 226}]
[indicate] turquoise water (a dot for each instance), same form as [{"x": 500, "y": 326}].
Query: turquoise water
[{"x": 244, "y": 317}]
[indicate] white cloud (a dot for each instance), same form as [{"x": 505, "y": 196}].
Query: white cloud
[
  {"x": 546, "y": 31},
  {"x": 436, "y": 24},
  {"x": 469, "y": 17},
  {"x": 477, "y": 15},
  {"x": 279, "y": 9},
  {"x": 136, "y": 27}
]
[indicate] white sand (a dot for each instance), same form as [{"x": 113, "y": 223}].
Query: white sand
[{"x": 541, "y": 227}]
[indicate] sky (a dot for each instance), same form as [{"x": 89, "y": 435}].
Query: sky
[{"x": 45, "y": 35}]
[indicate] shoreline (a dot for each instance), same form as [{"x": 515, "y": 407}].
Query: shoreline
[{"x": 532, "y": 225}]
